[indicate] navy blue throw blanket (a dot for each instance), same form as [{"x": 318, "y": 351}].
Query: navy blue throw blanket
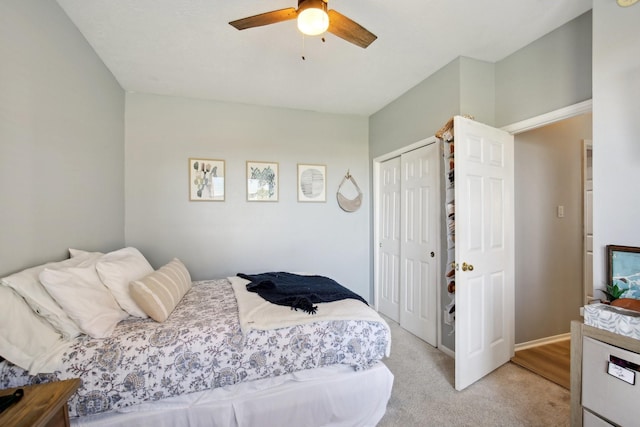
[{"x": 297, "y": 291}]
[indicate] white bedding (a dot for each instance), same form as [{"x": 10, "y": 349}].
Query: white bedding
[
  {"x": 332, "y": 396},
  {"x": 200, "y": 346},
  {"x": 257, "y": 313}
]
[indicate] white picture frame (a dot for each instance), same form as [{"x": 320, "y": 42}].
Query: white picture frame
[{"x": 312, "y": 182}]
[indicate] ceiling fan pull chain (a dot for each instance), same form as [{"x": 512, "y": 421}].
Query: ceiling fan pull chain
[{"x": 303, "y": 58}]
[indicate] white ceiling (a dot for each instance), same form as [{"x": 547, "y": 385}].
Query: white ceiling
[{"x": 187, "y": 48}]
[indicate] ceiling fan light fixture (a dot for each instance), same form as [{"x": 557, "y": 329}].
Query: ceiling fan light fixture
[{"x": 312, "y": 17}]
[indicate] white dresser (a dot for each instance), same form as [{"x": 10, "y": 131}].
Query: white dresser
[{"x": 605, "y": 377}]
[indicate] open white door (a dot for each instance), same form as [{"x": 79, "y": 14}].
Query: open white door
[
  {"x": 420, "y": 189},
  {"x": 484, "y": 253}
]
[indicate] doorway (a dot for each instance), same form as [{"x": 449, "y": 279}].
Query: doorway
[
  {"x": 551, "y": 263},
  {"x": 543, "y": 313}
]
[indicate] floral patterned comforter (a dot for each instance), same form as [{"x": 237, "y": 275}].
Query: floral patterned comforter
[{"x": 200, "y": 346}]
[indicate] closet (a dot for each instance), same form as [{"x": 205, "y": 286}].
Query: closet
[
  {"x": 409, "y": 227},
  {"x": 478, "y": 186}
]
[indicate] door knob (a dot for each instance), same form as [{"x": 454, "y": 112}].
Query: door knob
[{"x": 466, "y": 267}]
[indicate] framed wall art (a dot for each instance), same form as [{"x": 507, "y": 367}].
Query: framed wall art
[
  {"x": 312, "y": 183},
  {"x": 262, "y": 181},
  {"x": 206, "y": 180},
  {"x": 623, "y": 268}
]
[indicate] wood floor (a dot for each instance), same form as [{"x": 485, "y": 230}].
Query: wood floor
[{"x": 551, "y": 361}]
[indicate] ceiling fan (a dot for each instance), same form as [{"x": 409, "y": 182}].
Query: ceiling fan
[{"x": 313, "y": 19}]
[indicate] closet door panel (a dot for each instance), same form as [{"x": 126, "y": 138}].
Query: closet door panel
[
  {"x": 420, "y": 185},
  {"x": 389, "y": 232}
]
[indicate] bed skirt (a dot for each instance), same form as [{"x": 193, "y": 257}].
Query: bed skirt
[{"x": 328, "y": 396}]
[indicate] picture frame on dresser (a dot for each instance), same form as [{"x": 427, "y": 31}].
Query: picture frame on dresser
[
  {"x": 206, "y": 180},
  {"x": 623, "y": 266},
  {"x": 262, "y": 181}
]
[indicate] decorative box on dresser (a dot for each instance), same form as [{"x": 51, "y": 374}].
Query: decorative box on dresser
[
  {"x": 43, "y": 405},
  {"x": 604, "y": 394}
]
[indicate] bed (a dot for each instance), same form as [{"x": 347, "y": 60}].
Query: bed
[{"x": 221, "y": 356}]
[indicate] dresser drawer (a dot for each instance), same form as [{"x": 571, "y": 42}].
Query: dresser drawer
[
  {"x": 590, "y": 420},
  {"x": 603, "y": 394}
]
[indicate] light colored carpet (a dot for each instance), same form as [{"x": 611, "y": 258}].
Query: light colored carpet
[{"x": 424, "y": 394}]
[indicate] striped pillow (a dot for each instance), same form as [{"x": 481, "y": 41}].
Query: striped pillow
[{"x": 159, "y": 292}]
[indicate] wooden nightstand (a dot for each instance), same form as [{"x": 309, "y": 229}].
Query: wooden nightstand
[{"x": 43, "y": 405}]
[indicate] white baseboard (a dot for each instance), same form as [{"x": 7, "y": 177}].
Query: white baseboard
[
  {"x": 447, "y": 351},
  {"x": 542, "y": 341}
]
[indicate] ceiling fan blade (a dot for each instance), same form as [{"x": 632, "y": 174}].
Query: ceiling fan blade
[
  {"x": 265, "y": 18},
  {"x": 349, "y": 30}
]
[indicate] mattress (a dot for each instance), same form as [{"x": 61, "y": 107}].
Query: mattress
[{"x": 200, "y": 347}]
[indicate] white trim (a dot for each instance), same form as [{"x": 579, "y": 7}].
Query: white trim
[
  {"x": 542, "y": 341},
  {"x": 446, "y": 350},
  {"x": 550, "y": 117},
  {"x": 406, "y": 149},
  {"x": 587, "y": 279}
]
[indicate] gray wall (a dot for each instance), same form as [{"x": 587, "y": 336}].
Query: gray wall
[
  {"x": 616, "y": 129},
  {"x": 464, "y": 86},
  {"x": 217, "y": 239},
  {"x": 61, "y": 139},
  {"x": 548, "y": 165},
  {"x": 550, "y": 73},
  {"x": 418, "y": 113}
]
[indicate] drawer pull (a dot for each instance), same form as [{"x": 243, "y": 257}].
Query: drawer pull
[
  {"x": 624, "y": 363},
  {"x": 617, "y": 368}
]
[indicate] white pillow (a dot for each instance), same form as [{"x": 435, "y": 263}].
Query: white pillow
[
  {"x": 84, "y": 298},
  {"x": 26, "y": 339},
  {"x": 160, "y": 292},
  {"x": 27, "y": 284},
  {"x": 80, "y": 252},
  {"x": 117, "y": 269}
]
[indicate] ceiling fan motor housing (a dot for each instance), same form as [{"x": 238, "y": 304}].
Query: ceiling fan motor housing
[{"x": 315, "y": 4}]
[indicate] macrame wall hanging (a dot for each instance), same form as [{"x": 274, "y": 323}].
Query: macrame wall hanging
[{"x": 349, "y": 205}]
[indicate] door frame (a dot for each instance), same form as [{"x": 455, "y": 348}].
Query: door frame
[
  {"x": 550, "y": 117},
  {"x": 587, "y": 216},
  {"x": 574, "y": 110},
  {"x": 377, "y": 206}
]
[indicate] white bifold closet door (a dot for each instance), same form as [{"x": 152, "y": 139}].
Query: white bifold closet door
[{"x": 410, "y": 224}]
